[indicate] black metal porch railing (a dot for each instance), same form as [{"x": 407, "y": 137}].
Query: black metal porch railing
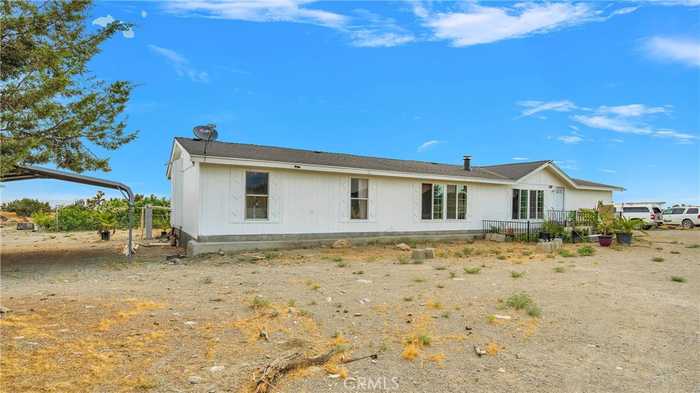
[
  {"x": 571, "y": 218},
  {"x": 514, "y": 230}
]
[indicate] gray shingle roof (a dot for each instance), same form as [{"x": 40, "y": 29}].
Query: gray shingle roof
[{"x": 505, "y": 172}]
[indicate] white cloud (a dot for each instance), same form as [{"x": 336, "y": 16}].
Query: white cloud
[
  {"x": 103, "y": 21},
  {"x": 260, "y": 11},
  {"x": 632, "y": 110},
  {"x": 377, "y": 31},
  {"x": 617, "y": 140},
  {"x": 144, "y": 13},
  {"x": 570, "y": 139},
  {"x": 678, "y": 136},
  {"x": 611, "y": 123},
  {"x": 532, "y": 107},
  {"x": 482, "y": 25},
  {"x": 608, "y": 170},
  {"x": 427, "y": 145},
  {"x": 567, "y": 164},
  {"x": 520, "y": 158},
  {"x": 181, "y": 64},
  {"x": 679, "y": 50}
]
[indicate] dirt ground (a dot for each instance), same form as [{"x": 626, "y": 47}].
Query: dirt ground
[{"x": 78, "y": 318}]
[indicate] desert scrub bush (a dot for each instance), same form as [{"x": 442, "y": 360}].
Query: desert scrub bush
[
  {"x": 259, "y": 302},
  {"x": 502, "y": 257},
  {"x": 675, "y": 252},
  {"x": 678, "y": 279},
  {"x": 658, "y": 259},
  {"x": 472, "y": 270},
  {"x": 693, "y": 246},
  {"x": 522, "y": 301},
  {"x": 515, "y": 274},
  {"x": 440, "y": 268},
  {"x": 408, "y": 298},
  {"x": 403, "y": 260},
  {"x": 337, "y": 259},
  {"x": 566, "y": 253},
  {"x": 419, "y": 279},
  {"x": 467, "y": 251},
  {"x": 585, "y": 251},
  {"x": 559, "y": 269},
  {"x": 453, "y": 274}
]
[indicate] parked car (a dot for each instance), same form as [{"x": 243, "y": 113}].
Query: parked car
[
  {"x": 649, "y": 213},
  {"x": 685, "y": 216}
]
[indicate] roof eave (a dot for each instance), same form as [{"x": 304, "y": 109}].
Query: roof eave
[{"x": 339, "y": 169}]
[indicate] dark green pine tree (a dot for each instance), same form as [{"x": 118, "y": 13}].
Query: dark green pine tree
[{"x": 52, "y": 108}]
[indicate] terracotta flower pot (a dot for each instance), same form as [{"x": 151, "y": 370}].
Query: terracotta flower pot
[{"x": 605, "y": 240}]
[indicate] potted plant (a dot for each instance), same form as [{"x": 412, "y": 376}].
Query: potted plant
[
  {"x": 578, "y": 234},
  {"x": 107, "y": 222},
  {"x": 551, "y": 230},
  {"x": 624, "y": 228},
  {"x": 605, "y": 228}
]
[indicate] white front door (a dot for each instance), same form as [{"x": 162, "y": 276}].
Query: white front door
[{"x": 558, "y": 198}]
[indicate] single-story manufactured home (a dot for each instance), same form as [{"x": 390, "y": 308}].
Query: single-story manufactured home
[{"x": 231, "y": 196}]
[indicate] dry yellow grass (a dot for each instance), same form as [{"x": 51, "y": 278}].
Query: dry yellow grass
[{"x": 51, "y": 351}]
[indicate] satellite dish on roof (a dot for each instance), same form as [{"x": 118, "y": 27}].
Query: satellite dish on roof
[{"x": 206, "y": 132}]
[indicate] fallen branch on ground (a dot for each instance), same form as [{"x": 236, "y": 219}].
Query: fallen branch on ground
[{"x": 287, "y": 362}]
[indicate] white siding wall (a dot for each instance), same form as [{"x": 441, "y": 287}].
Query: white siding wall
[
  {"x": 574, "y": 199},
  {"x": 583, "y": 199},
  {"x": 212, "y": 202},
  {"x": 313, "y": 202},
  {"x": 184, "y": 181}
]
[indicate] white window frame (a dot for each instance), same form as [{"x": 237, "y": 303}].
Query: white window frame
[
  {"x": 528, "y": 192},
  {"x": 359, "y": 199},
  {"x": 246, "y": 195},
  {"x": 444, "y": 201}
]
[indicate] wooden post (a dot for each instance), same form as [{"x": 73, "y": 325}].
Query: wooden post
[{"x": 148, "y": 218}]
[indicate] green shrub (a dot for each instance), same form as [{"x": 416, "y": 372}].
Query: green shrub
[
  {"x": 472, "y": 270},
  {"x": 678, "y": 279},
  {"x": 26, "y": 207},
  {"x": 566, "y": 253},
  {"x": 515, "y": 274},
  {"x": 519, "y": 301},
  {"x": 585, "y": 251}
]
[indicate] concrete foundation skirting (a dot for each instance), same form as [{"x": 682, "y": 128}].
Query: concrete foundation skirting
[{"x": 263, "y": 242}]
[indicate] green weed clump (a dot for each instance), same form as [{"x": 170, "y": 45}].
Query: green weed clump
[
  {"x": 472, "y": 270},
  {"x": 585, "y": 251}
]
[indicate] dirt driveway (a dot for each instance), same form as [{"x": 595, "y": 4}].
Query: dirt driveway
[{"x": 614, "y": 321}]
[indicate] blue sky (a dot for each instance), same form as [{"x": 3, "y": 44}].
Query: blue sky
[{"x": 611, "y": 91}]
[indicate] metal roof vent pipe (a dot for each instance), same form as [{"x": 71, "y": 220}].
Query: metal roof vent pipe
[{"x": 467, "y": 163}]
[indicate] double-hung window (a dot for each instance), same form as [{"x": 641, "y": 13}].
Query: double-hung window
[
  {"x": 359, "y": 198},
  {"x": 256, "y": 195},
  {"x": 528, "y": 204},
  {"x": 440, "y": 201}
]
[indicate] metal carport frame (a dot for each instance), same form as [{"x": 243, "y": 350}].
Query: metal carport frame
[{"x": 27, "y": 172}]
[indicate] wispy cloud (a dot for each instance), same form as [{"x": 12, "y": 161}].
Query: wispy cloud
[
  {"x": 259, "y": 11},
  {"x": 627, "y": 119},
  {"x": 532, "y": 107},
  {"x": 611, "y": 123},
  {"x": 680, "y": 137},
  {"x": 144, "y": 13},
  {"x": 477, "y": 24},
  {"x": 567, "y": 164},
  {"x": 570, "y": 139},
  {"x": 103, "y": 21},
  {"x": 427, "y": 145},
  {"x": 678, "y": 50},
  {"x": 180, "y": 63},
  {"x": 633, "y": 110},
  {"x": 364, "y": 28},
  {"x": 520, "y": 158},
  {"x": 608, "y": 170}
]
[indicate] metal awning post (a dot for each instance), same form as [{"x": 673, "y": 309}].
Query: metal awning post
[{"x": 26, "y": 172}]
